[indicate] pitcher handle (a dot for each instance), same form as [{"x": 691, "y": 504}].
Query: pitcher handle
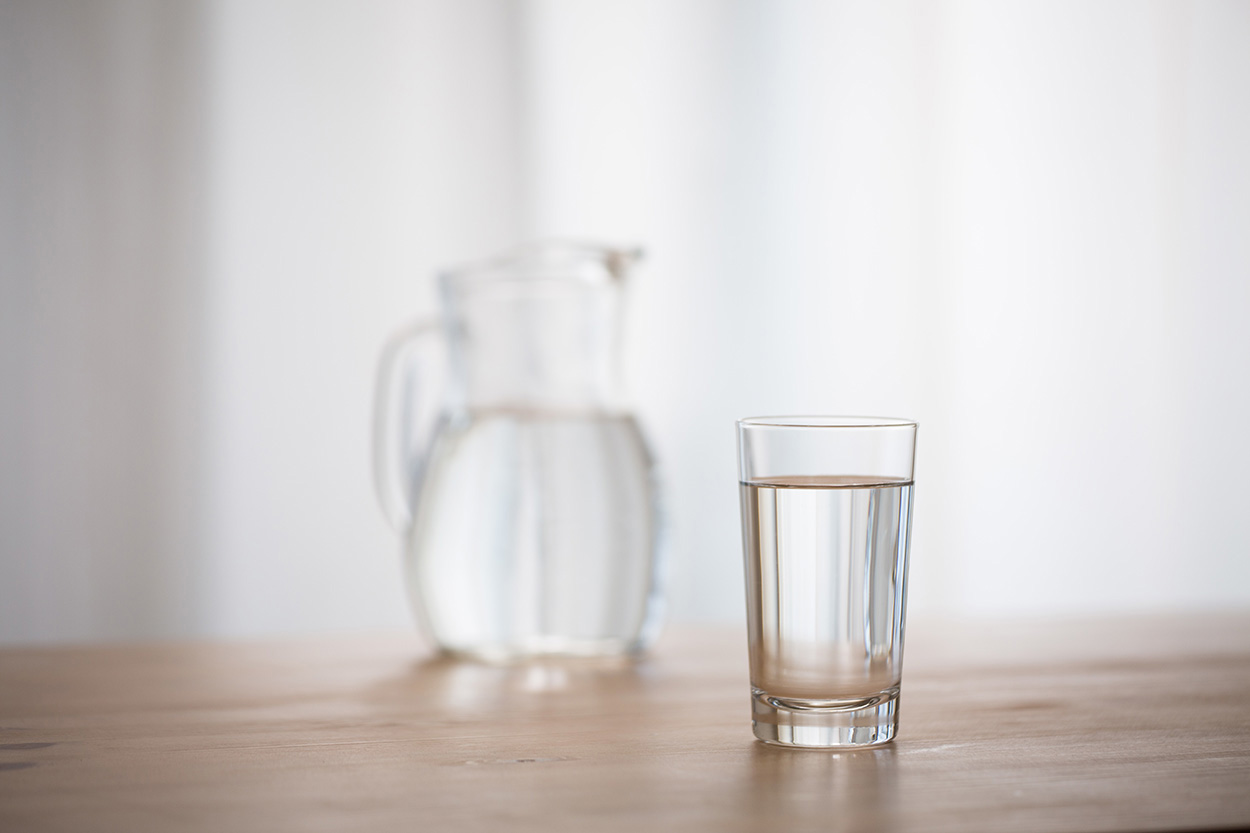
[{"x": 401, "y": 442}]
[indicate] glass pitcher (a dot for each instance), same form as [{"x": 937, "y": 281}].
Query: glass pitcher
[{"x": 527, "y": 501}]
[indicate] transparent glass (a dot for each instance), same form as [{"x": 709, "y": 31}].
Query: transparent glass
[
  {"x": 826, "y": 525},
  {"x": 528, "y": 501}
]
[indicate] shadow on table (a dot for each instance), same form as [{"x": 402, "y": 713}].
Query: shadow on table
[
  {"x": 466, "y": 687},
  {"x": 853, "y": 790}
]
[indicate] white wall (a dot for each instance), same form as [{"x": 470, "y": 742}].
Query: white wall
[
  {"x": 1022, "y": 224},
  {"x": 355, "y": 149},
  {"x": 101, "y": 333}
]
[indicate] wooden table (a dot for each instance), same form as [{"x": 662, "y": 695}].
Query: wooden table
[{"x": 1134, "y": 724}]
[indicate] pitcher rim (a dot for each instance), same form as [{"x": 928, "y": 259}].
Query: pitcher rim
[{"x": 551, "y": 254}]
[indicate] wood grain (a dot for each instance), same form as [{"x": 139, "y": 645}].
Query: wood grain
[{"x": 1132, "y": 724}]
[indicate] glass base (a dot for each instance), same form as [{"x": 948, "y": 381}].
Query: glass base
[{"x": 822, "y": 724}]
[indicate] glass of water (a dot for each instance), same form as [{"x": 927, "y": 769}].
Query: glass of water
[{"x": 826, "y": 523}]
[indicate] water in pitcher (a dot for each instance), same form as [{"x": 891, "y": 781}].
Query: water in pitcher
[
  {"x": 826, "y": 561},
  {"x": 535, "y": 535}
]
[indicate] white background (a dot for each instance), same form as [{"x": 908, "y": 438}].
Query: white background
[{"x": 1026, "y": 225}]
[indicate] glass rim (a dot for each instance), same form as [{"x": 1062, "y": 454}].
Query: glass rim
[{"x": 826, "y": 422}]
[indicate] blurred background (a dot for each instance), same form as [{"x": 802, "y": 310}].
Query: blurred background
[{"x": 1026, "y": 225}]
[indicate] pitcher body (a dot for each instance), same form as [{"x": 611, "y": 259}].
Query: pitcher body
[{"x": 535, "y": 534}]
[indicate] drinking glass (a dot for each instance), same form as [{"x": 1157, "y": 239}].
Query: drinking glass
[{"x": 826, "y": 524}]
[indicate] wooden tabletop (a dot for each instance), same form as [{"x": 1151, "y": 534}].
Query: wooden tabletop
[{"x": 1130, "y": 724}]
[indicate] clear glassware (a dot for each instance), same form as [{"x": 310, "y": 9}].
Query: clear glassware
[
  {"x": 826, "y": 526},
  {"x": 527, "y": 497}
]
